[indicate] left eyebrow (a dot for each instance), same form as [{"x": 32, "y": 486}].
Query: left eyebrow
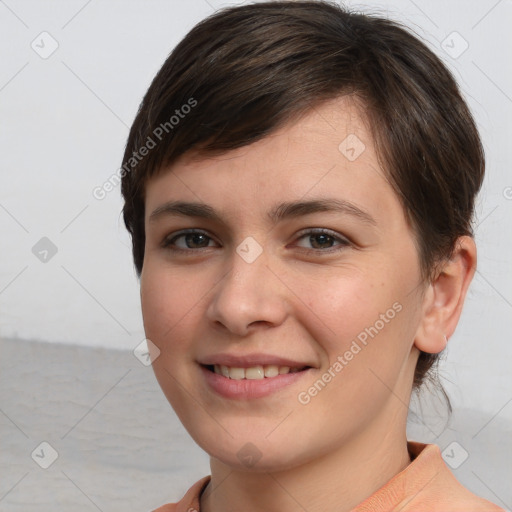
[
  {"x": 291, "y": 209},
  {"x": 300, "y": 208}
]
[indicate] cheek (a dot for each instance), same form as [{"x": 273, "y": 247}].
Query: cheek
[
  {"x": 342, "y": 307},
  {"x": 168, "y": 309},
  {"x": 364, "y": 341},
  {"x": 168, "y": 301},
  {"x": 362, "y": 323}
]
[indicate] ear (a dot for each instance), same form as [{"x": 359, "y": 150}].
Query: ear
[{"x": 444, "y": 298}]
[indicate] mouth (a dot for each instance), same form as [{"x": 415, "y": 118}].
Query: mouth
[
  {"x": 251, "y": 382},
  {"x": 257, "y": 372}
]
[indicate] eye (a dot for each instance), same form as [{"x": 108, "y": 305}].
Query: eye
[
  {"x": 188, "y": 240},
  {"x": 321, "y": 240},
  {"x": 312, "y": 240}
]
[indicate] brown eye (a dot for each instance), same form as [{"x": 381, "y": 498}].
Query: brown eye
[
  {"x": 195, "y": 240},
  {"x": 188, "y": 240},
  {"x": 319, "y": 239}
]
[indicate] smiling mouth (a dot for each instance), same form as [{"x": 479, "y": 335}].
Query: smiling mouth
[{"x": 257, "y": 372}]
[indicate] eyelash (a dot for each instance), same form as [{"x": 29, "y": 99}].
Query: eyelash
[{"x": 343, "y": 242}]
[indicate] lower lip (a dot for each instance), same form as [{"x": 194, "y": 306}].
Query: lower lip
[{"x": 246, "y": 389}]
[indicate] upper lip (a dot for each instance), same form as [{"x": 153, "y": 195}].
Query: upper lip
[{"x": 248, "y": 360}]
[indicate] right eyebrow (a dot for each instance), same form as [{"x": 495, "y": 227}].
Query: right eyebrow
[{"x": 184, "y": 209}]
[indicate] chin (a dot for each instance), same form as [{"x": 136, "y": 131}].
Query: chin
[
  {"x": 253, "y": 453},
  {"x": 252, "y": 460}
]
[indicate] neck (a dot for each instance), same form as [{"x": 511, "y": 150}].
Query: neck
[{"x": 337, "y": 481}]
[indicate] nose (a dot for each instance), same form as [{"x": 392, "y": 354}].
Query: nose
[{"x": 248, "y": 297}]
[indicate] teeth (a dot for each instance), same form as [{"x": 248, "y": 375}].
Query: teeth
[
  {"x": 271, "y": 371},
  {"x": 236, "y": 373},
  {"x": 254, "y": 372}
]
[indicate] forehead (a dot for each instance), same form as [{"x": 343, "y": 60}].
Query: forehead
[
  {"x": 329, "y": 151},
  {"x": 327, "y": 124}
]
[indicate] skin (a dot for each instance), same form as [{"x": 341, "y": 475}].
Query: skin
[{"x": 303, "y": 297}]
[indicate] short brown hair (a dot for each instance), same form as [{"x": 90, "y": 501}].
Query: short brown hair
[{"x": 246, "y": 71}]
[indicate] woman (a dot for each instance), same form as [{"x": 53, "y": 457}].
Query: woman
[{"x": 299, "y": 185}]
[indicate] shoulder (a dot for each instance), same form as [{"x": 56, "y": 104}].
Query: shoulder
[
  {"x": 440, "y": 489},
  {"x": 426, "y": 485},
  {"x": 190, "y": 501}
]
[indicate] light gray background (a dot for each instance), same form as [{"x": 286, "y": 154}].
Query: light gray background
[{"x": 77, "y": 385}]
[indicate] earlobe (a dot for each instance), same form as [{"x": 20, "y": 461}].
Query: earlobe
[{"x": 444, "y": 298}]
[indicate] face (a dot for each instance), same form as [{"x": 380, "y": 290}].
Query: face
[{"x": 297, "y": 254}]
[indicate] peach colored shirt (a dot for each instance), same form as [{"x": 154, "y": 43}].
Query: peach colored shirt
[{"x": 425, "y": 485}]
